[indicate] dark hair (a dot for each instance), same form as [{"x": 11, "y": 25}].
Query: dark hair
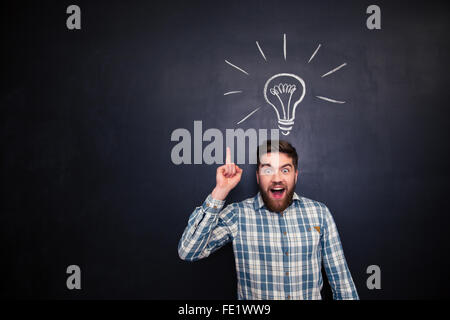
[{"x": 283, "y": 147}]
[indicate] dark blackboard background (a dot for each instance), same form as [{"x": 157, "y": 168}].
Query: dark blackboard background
[{"x": 86, "y": 119}]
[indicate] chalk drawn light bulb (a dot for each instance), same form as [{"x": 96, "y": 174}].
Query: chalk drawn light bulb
[{"x": 284, "y": 92}]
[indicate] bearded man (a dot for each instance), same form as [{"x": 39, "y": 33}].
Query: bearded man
[{"x": 280, "y": 240}]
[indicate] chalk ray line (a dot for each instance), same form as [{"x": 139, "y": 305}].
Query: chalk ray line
[
  {"x": 312, "y": 57},
  {"x": 236, "y": 67},
  {"x": 334, "y": 70},
  {"x": 249, "y": 115},
  {"x": 330, "y": 100},
  {"x": 284, "y": 46},
  {"x": 260, "y": 50},
  {"x": 231, "y": 92}
]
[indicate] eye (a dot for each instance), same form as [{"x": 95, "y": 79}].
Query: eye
[
  {"x": 285, "y": 170},
  {"x": 268, "y": 171}
]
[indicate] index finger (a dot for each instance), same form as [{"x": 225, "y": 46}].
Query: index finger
[{"x": 228, "y": 159}]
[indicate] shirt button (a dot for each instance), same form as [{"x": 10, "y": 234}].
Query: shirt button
[
  {"x": 215, "y": 207},
  {"x": 284, "y": 232},
  {"x": 287, "y": 273},
  {"x": 288, "y": 297},
  {"x": 287, "y": 253}
]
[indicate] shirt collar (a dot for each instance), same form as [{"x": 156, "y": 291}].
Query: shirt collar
[{"x": 259, "y": 202}]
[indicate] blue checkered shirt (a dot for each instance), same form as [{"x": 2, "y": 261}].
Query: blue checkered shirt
[{"x": 277, "y": 255}]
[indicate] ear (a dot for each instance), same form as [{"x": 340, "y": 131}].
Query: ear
[
  {"x": 296, "y": 175},
  {"x": 257, "y": 177}
]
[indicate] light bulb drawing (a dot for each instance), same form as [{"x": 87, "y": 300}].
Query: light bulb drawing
[{"x": 284, "y": 92}]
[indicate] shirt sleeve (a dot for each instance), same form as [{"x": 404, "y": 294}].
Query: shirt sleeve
[
  {"x": 336, "y": 267},
  {"x": 208, "y": 229}
]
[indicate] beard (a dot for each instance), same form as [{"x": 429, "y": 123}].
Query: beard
[{"x": 276, "y": 205}]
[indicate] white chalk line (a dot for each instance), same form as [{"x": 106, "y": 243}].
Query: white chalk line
[
  {"x": 231, "y": 92},
  {"x": 260, "y": 50}
]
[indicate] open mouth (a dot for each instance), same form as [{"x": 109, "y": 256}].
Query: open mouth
[{"x": 277, "y": 192}]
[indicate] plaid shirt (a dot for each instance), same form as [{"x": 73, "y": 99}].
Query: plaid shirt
[{"x": 277, "y": 255}]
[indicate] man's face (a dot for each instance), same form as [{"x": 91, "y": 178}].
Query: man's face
[{"x": 276, "y": 177}]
